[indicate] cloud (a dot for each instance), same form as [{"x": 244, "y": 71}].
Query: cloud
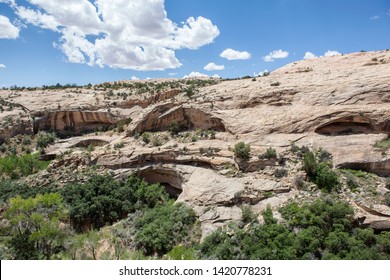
[
  {"x": 195, "y": 75},
  {"x": 231, "y": 54},
  {"x": 9, "y": 2},
  {"x": 213, "y": 67},
  {"x": 172, "y": 74},
  {"x": 122, "y": 34},
  {"x": 216, "y": 76},
  {"x": 134, "y": 78},
  {"x": 2, "y": 66},
  {"x": 375, "y": 17},
  {"x": 278, "y": 54},
  {"x": 309, "y": 55},
  {"x": 7, "y": 29},
  {"x": 262, "y": 73},
  {"x": 37, "y": 18},
  {"x": 196, "y": 33},
  {"x": 332, "y": 53}
]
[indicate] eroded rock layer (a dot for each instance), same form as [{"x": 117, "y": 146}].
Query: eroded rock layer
[{"x": 339, "y": 104}]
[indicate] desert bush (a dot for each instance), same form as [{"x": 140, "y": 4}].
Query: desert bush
[
  {"x": 44, "y": 139},
  {"x": 280, "y": 172},
  {"x": 299, "y": 181},
  {"x": 326, "y": 179},
  {"x": 146, "y": 137},
  {"x": 20, "y": 166},
  {"x": 247, "y": 215},
  {"x": 387, "y": 199},
  {"x": 324, "y": 156},
  {"x": 310, "y": 164},
  {"x": 26, "y": 140},
  {"x": 119, "y": 145},
  {"x": 174, "y": 128},
  {"x": 323, "y": 229},
  {"x": 103, "y": 200},
  {"x": 351, "y": 181},
  {"x": 12, "y": 188},
  {"x": 268, "y": 154},
  {"x": 156, "y": 141},
  {"x": 242, "y": 150},
  {"x": 320, "y": 173},
  {"x": 35, "y": 222},
  {"x": 160, "y": 229}
]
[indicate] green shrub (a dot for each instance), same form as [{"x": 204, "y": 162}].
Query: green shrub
[
  {"x": 44, "y": 139},
  {"x": 146, "y": 137},
  {"x": 324, "y": 156},
  {"x": 387, "y": 199},
  {"x": 181, "y": 252},
  {"x": 247, "y": 215},
  {"x": 282, "y": 160},
  {"x": 299, "y": 181},
  {"x": 11, "y": 188},
  {"x": 280, "y": 172},
  {"x": 326, "y": 179},
  {"x": 320, "y": 173},
  {"x": 120, "y": 128},
  {"x": 294, "y": 148},
  {"x": 26, "y": 140},
  {"x": 156, "y": 141},
  {"x": 90, "y": 148},
  {"x": 351, "y": 181},
  {"x": 384, "y": 144},
  {"x": 15, "y": 167},
  {"x": 310, "y": 164},
  {"x": 242, "y": 150},
  {"x": 323, "y": 229},
  {"x": 119, "y": 145},
  {"x": 174, "y": 128},
  {"x": 160, "y": 229},
  {"x": 35, "y": 223},
  {"x": 269, "y": 153},
  {"x": 103, "y": 200}
]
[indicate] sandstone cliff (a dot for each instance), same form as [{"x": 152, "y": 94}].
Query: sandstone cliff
[{"x": 339, "y": 103}]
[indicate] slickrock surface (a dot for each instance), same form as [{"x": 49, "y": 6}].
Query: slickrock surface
[{"x": 339, "y": 103}]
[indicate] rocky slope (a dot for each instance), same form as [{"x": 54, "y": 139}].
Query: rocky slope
[{"x": 339, "y": 104}]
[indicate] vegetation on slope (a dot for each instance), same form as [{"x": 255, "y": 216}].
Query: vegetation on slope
[{"x": 323, "y": 229}]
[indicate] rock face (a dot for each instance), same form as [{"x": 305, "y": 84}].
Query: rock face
[
  {"x": 162, "y": 117},
  {"x": 339, "y": 103},
  {"x": 67, "y": 123}
]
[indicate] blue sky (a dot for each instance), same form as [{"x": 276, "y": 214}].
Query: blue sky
[{"x": 43, "y": 42}]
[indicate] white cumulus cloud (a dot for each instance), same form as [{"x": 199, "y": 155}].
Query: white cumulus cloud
[
  {"x": 213, "y": 67},
  {"x": 331, "y": 53},
  {"x": 231, "y": 54},
  {"x": 7, "y": 29},
  {"x": 278, "y": 54},
  {"x": 37, "y": 18},
  {"x": 2, "y": 66},
  {"x": 309, "y": 55},
  {"x": 10, "y": 2},
  {"x": 196, "y": 33},
  {"x": 123, "y": 34},
  {"x": 262, "y": 73},
  {"x": 195, "y": 75},
  {"x": 134, "y": 78},
  {"x": 375, "y": 17}
]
